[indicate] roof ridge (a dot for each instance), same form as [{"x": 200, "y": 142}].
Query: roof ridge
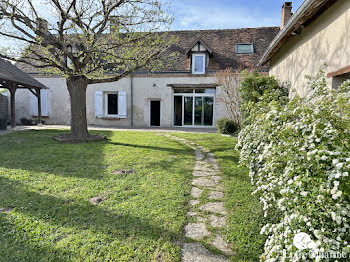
[{"x": 223, "y": 29}]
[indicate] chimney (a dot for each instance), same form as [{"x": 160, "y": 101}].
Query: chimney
[
  {"x": 42, "y": 25},
  {"x": 114, "y": 24},
  {"x": 286, "y": 13}
]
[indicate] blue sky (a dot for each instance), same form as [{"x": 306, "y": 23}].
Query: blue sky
[{"x": 220, "y": 14}]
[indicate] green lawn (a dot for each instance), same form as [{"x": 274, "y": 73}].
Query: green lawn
[
  {"x": 49, "y": 185},
  {"x": 143, "y": 213},
  {"x": 245, "y": 213}
]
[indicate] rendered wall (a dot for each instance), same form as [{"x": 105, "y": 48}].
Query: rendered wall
[
  {"x": 325, "y": 40},
  {"x": 146, "y": 88}
]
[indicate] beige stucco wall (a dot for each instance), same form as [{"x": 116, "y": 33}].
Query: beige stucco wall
[
  {"x": 145, "y": 90},
  {"x": 58, "y": 106},
  {"x": 325, "y": 40}
]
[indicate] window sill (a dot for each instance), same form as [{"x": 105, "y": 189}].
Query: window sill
[
  {"x": 42, "y": 117},
  {"x": 112, "y": 118}
]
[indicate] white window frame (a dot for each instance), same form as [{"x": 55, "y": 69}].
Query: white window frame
[
  {"x": 45, "y": 103},
  {"x": 105, "y": 113},
  {"x": 193, "y": 63}
]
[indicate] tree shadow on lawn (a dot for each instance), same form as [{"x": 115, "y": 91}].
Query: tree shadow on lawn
[
  {"x": 170, "y": 150},
  {"x": 74, "y": 215},
  {"x": 36, "y": 151}
]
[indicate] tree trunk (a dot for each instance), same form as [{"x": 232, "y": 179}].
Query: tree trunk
[{"x": 77, "y": 91}]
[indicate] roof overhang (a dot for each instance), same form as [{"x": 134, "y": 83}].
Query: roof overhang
[
  {"x": 4, "y": 84},
  {"x": 12, "y": 75},
  {"x": 193, "y": 85},
  {"x": 306, "y": 12}
]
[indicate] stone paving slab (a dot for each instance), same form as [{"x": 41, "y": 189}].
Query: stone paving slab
[
  {"x": 194, "y": 202},
  {"x": 214, "y": 207},
  {"x": 196, "y": 252},
  {"x": 204, "y": 173},
  {"x": 196, "y": 231},
  {"x": 191, "y": 214},
  {"x": 216, "y": 178},
  {"x": 220, "y": 244},
  {"x": 216, "y": 195},
  {"x": 203, "y": 182},
  {"x": 196, "y": 192},
  {"x": 216, "y": 221}
]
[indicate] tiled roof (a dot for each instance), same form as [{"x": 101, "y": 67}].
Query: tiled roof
[
  {"x": 223, "y": 45},
  {"x": 9, "y": 72}
]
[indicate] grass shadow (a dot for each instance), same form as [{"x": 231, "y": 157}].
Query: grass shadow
[{"x": 67, "y": 218}]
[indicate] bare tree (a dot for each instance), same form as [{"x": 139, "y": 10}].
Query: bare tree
[
  {"x": 86, "y": 41},
  {"x": 229, "y": 83}
]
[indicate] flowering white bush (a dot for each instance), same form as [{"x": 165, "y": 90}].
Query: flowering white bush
[{"x": 299, "y": 161}]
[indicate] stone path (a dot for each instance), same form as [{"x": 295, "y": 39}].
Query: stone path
[{"x": 207, "y": 214}]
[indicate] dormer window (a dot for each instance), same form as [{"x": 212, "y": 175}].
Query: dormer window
[
  {"x": 244, "y": 48},
  {"x": 199, "y": 54},
  {"x": 198, "y": 63}
]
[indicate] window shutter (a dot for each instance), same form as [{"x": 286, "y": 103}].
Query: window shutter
[
  {"x": 44, "y": 102},
  {"x": 122, "y": 105},
  {"x": 33, "y": 105},
  {"x": 44, "y": 97},
  {"x": 98, "y": 103}
]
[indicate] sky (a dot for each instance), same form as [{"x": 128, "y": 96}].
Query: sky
[
  {"x": 217, "y": 14},
  {"x": 223, "y": 14}
]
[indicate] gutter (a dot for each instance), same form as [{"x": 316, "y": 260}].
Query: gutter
[{"x": 292, "y": 21}]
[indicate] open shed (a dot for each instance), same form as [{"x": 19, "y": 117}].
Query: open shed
[{"x": 12, "y": 79}]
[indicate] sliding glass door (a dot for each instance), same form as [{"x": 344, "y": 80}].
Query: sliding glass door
[
  {"x": 188, "y": 110},
  {"x": 194, "y": 109}
]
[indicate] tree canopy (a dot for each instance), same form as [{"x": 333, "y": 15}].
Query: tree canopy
[{"x": 102, "y": 40}]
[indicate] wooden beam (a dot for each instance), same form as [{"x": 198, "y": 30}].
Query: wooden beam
[
  {"x": 12, "y": 88},
  {"x": 339, "y": 72},
  {"x": 34, "y": 93},
  {"x": 39, "y": 105}
]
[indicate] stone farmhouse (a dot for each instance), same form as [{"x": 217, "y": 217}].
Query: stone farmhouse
[{"x": 182, "y": 94}]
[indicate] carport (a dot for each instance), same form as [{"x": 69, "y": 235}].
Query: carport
[{"x": 12, "y": 79}]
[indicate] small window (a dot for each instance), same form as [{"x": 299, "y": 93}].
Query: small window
[
  {"x": 111, "y": 104},
  {"x": 338, "y": 80},
  {"x": 244, "y": 48},
  {"x": 198, "y": 64}
]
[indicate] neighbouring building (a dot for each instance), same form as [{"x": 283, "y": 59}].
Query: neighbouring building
[
  {"x": 183, "y": 94},
  {"x": 317, "y": 34}
]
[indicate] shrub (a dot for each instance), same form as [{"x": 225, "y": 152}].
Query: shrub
[
  {"x": 27, "y": 122},
  {"x": 256, "y": 91},
  {"x": 227, "y": 126},
  {"x": 228, "y": 81},
  {"x": 298, "y": 156}
]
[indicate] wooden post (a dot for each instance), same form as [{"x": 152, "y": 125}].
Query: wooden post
[
  {"x": 39, "y": 105},
  {"x": 12, "y": 89}
]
